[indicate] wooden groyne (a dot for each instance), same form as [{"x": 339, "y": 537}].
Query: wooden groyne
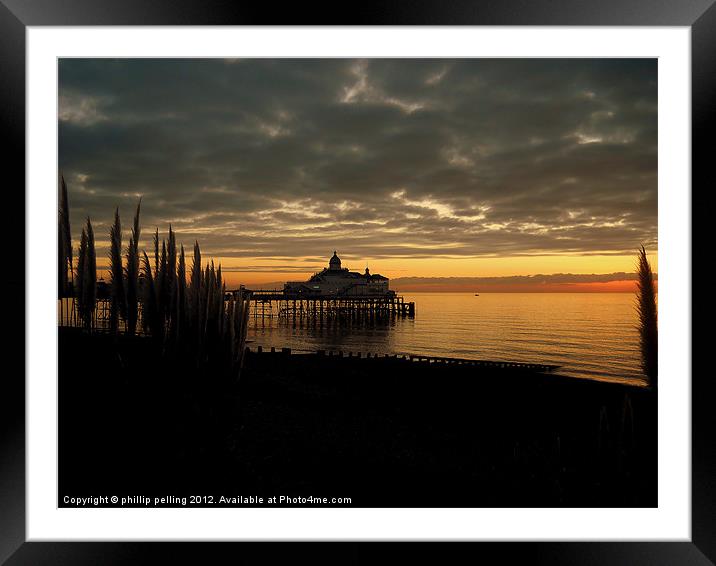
[
  {"x": 422, "y": 360},
  {"x": 278, "y": 303}
]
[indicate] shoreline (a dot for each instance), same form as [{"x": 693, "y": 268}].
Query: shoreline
[{"x": 349, "y": 356}]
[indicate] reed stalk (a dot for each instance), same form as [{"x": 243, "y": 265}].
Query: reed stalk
[
  {"x": 62, "y": 277},
  {"x": 161, "y": 282},
  {"x": 79, "y": 287},
  {"x": 89, "y": 287},
  {"x": 171, "y": 285},
  {"x": 156, "y": 252},
  {"x": 181, "y": 303},
  {"x": 64, "y": 244},
  {"x": 132, "y": 274},
  {"x": 118, "y": 295},
  {"x": 86, "y": 280},
  {"x": 647, "y": 312},
  {"x": 151, "y": 319},
  {"x": 195, "y": 299}
]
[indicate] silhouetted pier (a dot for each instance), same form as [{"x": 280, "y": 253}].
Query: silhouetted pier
[{"x": 278, "y": 303}]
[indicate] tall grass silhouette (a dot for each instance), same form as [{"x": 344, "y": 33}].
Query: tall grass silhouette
[
  {"x": 64, "y": 244},
  {"x": 196, "y": 322},
  {"x": 118, "y": 295},
  {"x": 131, "y": 273},
  {"x": 85, "y": 288},
  {"x": 647, "y": 311}
]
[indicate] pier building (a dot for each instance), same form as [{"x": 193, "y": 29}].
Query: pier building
[{"x": 338, "y": 281}]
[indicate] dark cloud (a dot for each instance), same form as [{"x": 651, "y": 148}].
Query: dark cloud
[{"x": 385, "y": 158}]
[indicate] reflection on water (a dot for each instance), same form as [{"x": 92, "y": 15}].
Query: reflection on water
[
  {"x": 375, "y": 334},
  {"x": 589, "y": 334}
]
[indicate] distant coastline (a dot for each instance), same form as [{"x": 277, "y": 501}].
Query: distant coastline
[{"x": 618, "y": 282}]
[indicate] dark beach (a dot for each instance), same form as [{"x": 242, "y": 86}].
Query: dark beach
[{"x": 382, "y": 432}]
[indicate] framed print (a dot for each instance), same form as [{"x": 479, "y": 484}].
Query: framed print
[{"x": 425, "y": 278}]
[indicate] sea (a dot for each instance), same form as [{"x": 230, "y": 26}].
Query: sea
[{"x": 590, "y": 335}]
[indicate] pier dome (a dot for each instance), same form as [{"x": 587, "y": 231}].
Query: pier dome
[{"x": 335, "y": 262}]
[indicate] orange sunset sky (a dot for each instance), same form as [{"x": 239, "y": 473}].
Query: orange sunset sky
[{"x": 437, "y": 270}]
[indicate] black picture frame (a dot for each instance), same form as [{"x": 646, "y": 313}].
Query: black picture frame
[{"x": 16, "y": 15}]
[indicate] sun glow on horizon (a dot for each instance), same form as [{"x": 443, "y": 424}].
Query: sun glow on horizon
[{"x": 252, "y": 271}]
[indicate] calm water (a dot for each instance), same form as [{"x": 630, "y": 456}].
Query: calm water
[{"x": 590, "y": 335}]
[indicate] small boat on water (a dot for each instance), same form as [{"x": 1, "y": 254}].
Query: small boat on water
[{"x": 477, "y": 294}]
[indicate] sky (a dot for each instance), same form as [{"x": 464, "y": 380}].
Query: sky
[{"x": 417, "y": 168}]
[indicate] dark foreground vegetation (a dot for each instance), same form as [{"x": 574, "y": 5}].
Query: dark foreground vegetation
[{"x": 383, "y": 433}]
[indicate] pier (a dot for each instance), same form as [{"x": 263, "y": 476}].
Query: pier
[
  {"x": 263, "y": 304},
  {"x": 279, "y": 303}
]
